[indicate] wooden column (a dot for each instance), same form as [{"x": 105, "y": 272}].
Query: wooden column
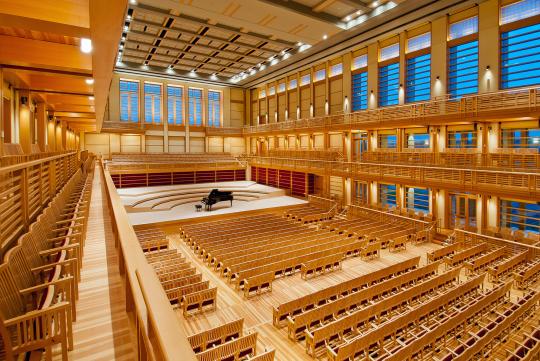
[
  {"x": 1, "y": 111},
  {"x": 25, "y": 122},
  {"x": 41, "y": 115}
]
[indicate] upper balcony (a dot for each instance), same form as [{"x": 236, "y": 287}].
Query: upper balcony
[{"x": 515, "y": 103}]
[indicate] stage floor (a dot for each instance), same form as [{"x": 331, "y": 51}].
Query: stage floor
[{"x": 165, "y": 204}]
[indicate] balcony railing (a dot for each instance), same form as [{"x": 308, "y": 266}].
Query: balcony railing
[
  {"x": 26, "y": 188},
  {"x": 496, "y": 182},
  {"x": 509, "y": 102}
]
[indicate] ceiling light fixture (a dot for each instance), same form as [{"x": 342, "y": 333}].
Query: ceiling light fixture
[
  {"x": 374, "y": 4},
  {"x": 325, "y": 37},
  {"x": 299, "y": 43},
  {"x": 91, "y": 98},
  {"x": 133, "y": 2},
  {"x": 86, "y": 45},
  {"x": 89, "y": 81},
  {"x": 359, "y": 12},
  {"x": 348, "y": 18}
]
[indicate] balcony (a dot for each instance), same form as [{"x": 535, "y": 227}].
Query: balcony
[
  {"x": 510, "y": 103},
  {"x": 121, "y": 127}
]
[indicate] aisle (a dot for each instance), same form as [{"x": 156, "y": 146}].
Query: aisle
[{"x": 102, "y": 330}]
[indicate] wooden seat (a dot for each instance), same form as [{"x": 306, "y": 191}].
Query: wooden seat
[
  {"x": 216, "y": 336},
  {"x": 236, "y": 349},
  {"x": 321, "y": 265},
  {"x": 200, "y": 301},
  {"x": 258, "y": 284}
]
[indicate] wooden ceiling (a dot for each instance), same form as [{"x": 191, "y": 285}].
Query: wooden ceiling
[
  {"x": 231, "y": 40},
  {"x": 41, "y": 54}
]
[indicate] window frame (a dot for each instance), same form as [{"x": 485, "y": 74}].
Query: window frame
[
  {"x": 137, "y": 100},
  {"x": 175, "y": 99},
  {"x": 190, "y": 98},
  {"x": 153, "y": 121},
  {"x": 211, "y": 112}
]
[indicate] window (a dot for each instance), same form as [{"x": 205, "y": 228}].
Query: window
[
  {"x": 389, "y": 52},
  {"x": 271, "y": 91},
  {"x": 262, "y": 93},
  {"x": 417, "y": 199},
  {"x": 518, "y": 215},
  {"x": 461, "y": 139},
  {"x": 359, "y": 62},
  {"x": 418, "y": 77},
  {"x": 175, "y": 105},
  {"x": 419, "y": 42},
  {"x": 520, "y": 57},
  {"x": 195, "y": 106},
  {"x": 336, "y": 69},
  {"x": 360, "y": 193},
  {"x": 305, "y": 79},
  {"x": 389, "y": 85},
  {"x": 520, "y": 138},
  {"x": 281, "y": 88},
  {"x": 463, "y": 28},
  {"x": 417, "y": 140},
  {"x": 463, "y": 69},
  {"x": 214, "y": 108},
  {"x": 387, "y": 195},
  {"x": 320, "y": 75},
  {"x": 386, "y": 140},
  {"x": 152, "y": 103},
  {"x": 359, "y": 91},
  {"x": 519, "y": 10},
  {"x": 293, "y": 84},
  {"x": 129, "y": 101}
]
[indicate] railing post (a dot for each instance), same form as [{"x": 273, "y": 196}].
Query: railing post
[{"x": 24, "y": 197}]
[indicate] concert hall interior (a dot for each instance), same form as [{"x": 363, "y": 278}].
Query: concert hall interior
[{"x": 234, "y": 180}]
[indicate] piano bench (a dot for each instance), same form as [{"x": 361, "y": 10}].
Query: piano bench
[{"x": 198, "y": 207}]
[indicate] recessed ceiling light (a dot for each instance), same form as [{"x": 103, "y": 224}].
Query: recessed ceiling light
[
  {"x": 133, "y": 2},
  {"x": 213, "y": 76},
  {"x": 126, "y": 28},
  {"x": 128, "y": 17},
  {"x": 325, "y": 37},
  {"x": 91, "y": 98},
  {"x": 89, "y": 81},
  {"x": 86, "y": 45},
  {"x": 270, "y": 58},
  {"x": 348, "y": 18},
  {"x": 374, "y": 4},
  {"x": 299, "y": 43},
  {"x": 359, "y": 12}
]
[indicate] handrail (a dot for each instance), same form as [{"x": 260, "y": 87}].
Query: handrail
[
  {"x": 160, "y": 328},
  {"x": 466, "y": 105},
  {"x": 14, "y": 167},
  {"x": 497, "y": 241}
]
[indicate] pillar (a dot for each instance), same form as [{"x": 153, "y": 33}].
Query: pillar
[
  {"x": 488, "y": 46},
  {"x": 438, "y": 56},
  {"x": 41, "y": 126},
  {"x": 25, "y": 122}
]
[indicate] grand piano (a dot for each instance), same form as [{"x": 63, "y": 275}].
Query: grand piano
[{"x": 216, "y": 196}]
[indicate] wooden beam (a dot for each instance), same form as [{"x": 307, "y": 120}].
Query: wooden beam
[
  {"x": 43, "y": 54},
  {"x": 323, "y": 5},
  {"x": 106, "y": 23},
  {"x": 63, "y": 12},
  {"x": 32, "y": 24},
  {"x": 305, "y": 10}
]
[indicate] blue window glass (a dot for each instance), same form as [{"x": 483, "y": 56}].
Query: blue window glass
[
  {"x": 417, "y": 140},
  {"x": 417, "y": 199},
  {"x": 520, "y": 138},
  {"x": 463, "y": 28},
  {"x": 387, "y": 194},
  {"x": 461, "y": 139},
  {"x": 389, "y": 85},
  {"x": 520, "y": 57},
  {"x": 418, "y": 86},
  {"x": 359, "y": 91},
  {"x": 152, "y": 103},
  {"x": 522, "y": 216},
  {"x": 129, "y": 101},
  {"x": 463, "y": 69},
  {"x": 214, "y": 108},
  {"x": 519, "y": 10},
  {"x": 387, "y": 140},
  {"x": 175, "y": 105},
  {"x": 195, "y": 106}
]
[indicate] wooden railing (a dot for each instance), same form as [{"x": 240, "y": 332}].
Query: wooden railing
[
  {"x": 224, "y": 131},
  {"x": 473, "y": 238},
  {"x": 510, "y": 102},
  {"x": 314, "y": 154},
  {"x": 515, "y": 161},
  {"x": 494, "y": 182},
  {"x": 26, "y": 188},
  {"x": 160, "y": 336}
]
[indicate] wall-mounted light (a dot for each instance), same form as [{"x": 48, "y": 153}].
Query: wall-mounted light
[
  {"x": 401, "y": 85},
  {"x": 487, "y": 67},
  {"x": 86, "y": 45},
  {"x": 438, "y": 77},
  {"x": 89, "y": 81},
  {"x": 24, "y": 100},
  {"x": 371, "y": 91}
]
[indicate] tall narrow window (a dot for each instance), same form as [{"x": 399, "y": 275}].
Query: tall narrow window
[
  {"x": 520, "y": 57},
  {"x": 418, "y": 75},
  {"x": 389, "y": 85},
  {"x": 360, "y": 193},
  {"x": 416, "y": 140},
  {"x": 461, "y": 139},
  {"x": 359, "y": 91},
  {"x": 129, "y": 101},
  {"x": 387, "y": 195},
  {"x": 214, "y": 108},
  {"x": 175, "y": 105},
  {"x": 518, "y": 215},
  {"x": 520, "y": 138},
  {"x": 152, "y": 103},
  {"x": 519, "y": 10},
  {"x": 417, "y": 199},
  {"x": 463, "y": 58},
  {"x": 195, "y": 106},
  {"x": 386, "y": 141}
]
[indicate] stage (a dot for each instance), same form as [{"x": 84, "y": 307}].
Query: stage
[{"x": 167, "y": 204}]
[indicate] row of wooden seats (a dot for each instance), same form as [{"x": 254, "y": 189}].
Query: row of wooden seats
[
  {"x": 506, "y": 267},
  {"x": 352, "y": 302},
  {"x": 307, "y": 302},
  {"x": 181, "y": 283},
  {"x": 393, "y": 335},
  {"x": 171, "y": 157},
  {"x": 435, "y": 341},
  {"x": 445, "y": 251},
  {"x": 441, "y": 290},
  {"x": 530, "y": 238},
  {"x": 39, "y": 276},
  {"x": 321, "y": 265},
  {"x": 224, "y": 343},
  {"x": 464, "y": 255},
  {"x": 152, "y": 239},
  {"x": 307, "y": 214},
  {"x": 526, "y": 349},
  {"x": 481, "y": 263},
  {"x": 527, "y": 274}
]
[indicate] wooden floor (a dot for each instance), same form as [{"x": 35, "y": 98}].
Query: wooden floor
[
  {"x": 101, "y": 331},
  {"x": 257, "y": 311}
]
